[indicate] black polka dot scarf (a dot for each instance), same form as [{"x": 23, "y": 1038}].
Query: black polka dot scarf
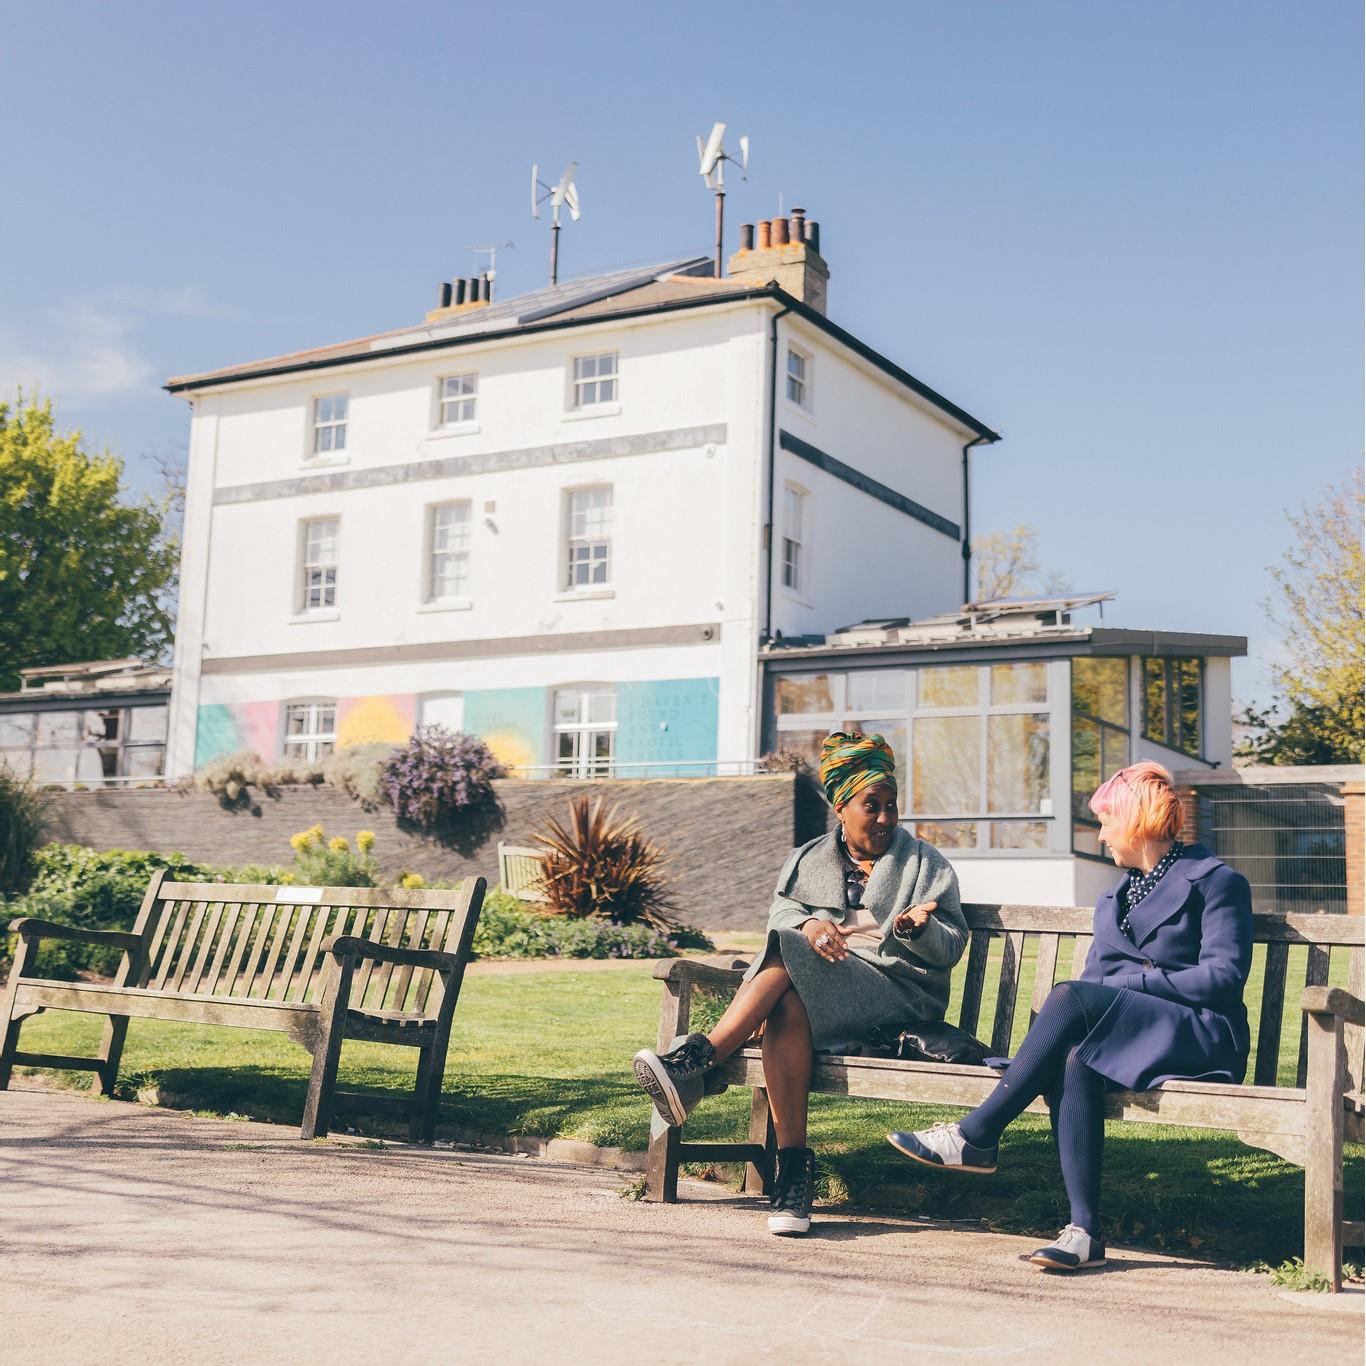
[{"x": 1140, "y": 884}]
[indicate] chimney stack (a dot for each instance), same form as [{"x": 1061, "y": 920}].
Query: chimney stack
[
  {"x": 786, "y": 251},
  {"x": 461, "y": 296}
]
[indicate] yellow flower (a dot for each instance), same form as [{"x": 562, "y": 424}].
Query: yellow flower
[
  {"x": 288, "y": 879},
  {"x": 300, "y": 841},
  {"x": 365, "y": 840},
  {"x": 338, "y": 844},
  {"x": 316, "y": 832},
  {"x": 412, "y": 881}
]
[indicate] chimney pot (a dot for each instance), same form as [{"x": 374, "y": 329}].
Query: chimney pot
[
  {"x": 780, "y": 238},
  {"x": 765, "y": 234},
  {"x": 813, "y": 237},
  {"x": 799, "y": 225},
  {"x": 483, "y": 289},
  {"x": 746, "y": 236},
  {"x": 459, "y": 292},
  {"x": 444, "y": 299}
]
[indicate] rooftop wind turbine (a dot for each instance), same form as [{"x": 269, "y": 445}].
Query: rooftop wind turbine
[
  {"x": 566, "y": 193},
  {"x": 711, "y": 164}
]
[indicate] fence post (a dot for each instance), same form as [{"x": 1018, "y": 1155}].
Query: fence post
[{"x": 1352, "y": 799}]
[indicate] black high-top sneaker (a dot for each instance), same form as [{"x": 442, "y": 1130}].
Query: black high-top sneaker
[
  {"x": 793, "y": 1192},
  {"x": 673, "y": 1080}
]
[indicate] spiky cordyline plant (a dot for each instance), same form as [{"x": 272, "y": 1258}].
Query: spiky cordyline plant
[{"x": 603, "y": 867}]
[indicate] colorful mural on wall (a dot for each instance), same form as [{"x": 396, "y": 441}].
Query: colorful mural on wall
[
  {"x": 232, "y": 727},
  {"x": 511, "y": 722},
  {"x": 365, "y": 720},
  {"x": 668, "y": 720}
]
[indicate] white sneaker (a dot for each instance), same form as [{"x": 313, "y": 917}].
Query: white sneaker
[{"x": 1071, "y": 1250}]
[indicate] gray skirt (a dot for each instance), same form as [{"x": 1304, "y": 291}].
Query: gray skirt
[{"x": 843, "y": 1000}]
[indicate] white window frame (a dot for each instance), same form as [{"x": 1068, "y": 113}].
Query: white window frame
[
  {"x": 460, "y": 409},
  {"x": 311, "y": 562},
  {"x": 568, "y": 569},
  {"x": 797, "y": 387},
  {"x": 319, "y": 740},
  {"x": 330, "y": 428},
  {"x": 795, "y": 548},
  {"x": 431, "y": 579},
  {"x": 598, "y": 389},
  {"x": 583, "y": 762}
]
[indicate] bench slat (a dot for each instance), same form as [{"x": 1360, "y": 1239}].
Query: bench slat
[
  {"x": 418, "y": 927},
  {"x": 205, "y": 944},
  {"x": 265, "y": 893},
  {"x": 188, "y": 946},
  {"x": 393, "y": 937},
  {"x": 301, "y": 986},
  {"x": 1081, "y": 946},
  {"x": 256, "y": 954},
  {"x": 277, "y": 988},
  {"x": 1045, "y": 966},
  {"x": 210, "y": 982},
  {"x": 1273, "y": 1007},
  {"x": 169, "y": 946},
  {"x": 284, "y": 922},
  {"x": 245, "y": 932},
  {"x": 441, "y": 923},
  {"x": 1011, "y": 955},
  {"x": 974, "y": 981},
  {"x": 1315, "y": 975},
  {"x": 365, "y": 970}
]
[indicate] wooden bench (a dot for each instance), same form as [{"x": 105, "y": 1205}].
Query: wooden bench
[
  {"x": 519, "y": 871},
  {"x": 1305, "y": 1123},
  {"x": 321, "y": 964}
]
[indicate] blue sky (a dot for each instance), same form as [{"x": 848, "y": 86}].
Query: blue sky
[{"x": 1126, "y": 236}]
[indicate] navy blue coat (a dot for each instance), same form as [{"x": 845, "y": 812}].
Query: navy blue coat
[{"x": 1180, "y": 1012}]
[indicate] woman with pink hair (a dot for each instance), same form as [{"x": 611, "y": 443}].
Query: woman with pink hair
[{"x": 1160, "y": 997}]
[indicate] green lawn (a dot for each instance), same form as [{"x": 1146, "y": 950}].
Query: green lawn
[{"x": 548, "y": 1054}]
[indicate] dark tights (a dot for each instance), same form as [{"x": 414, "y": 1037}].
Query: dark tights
[{"x": 1047, "y": 1065}]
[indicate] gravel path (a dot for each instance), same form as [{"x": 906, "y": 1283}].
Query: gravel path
[{"x": 135, "y": 1235}]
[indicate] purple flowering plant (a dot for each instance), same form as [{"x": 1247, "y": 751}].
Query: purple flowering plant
[{"x": 439, "y": 778}]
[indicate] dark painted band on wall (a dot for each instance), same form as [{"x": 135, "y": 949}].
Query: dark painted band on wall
[
  {"x": 705, "y": 634},
  {"x": 488, "y": 462},
  {"x": 806, "y": 451}
]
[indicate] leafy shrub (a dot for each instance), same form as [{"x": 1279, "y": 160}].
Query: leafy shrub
[
  {"x": 323, "y": 862},
  {"x": 357, "y": 771},
  {"x": 22, "y": 812},
  {"x": 784, "y": 761},
  {"x": 508, "y": 929},
  {"x": 231, "y": 777},
  {"x": 93, "y": 889},
  {"x": 440, "y": 778},
  {"x": 603, "y": 867}
]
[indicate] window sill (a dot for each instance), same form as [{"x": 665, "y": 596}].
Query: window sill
[
  {"x": 325, "y": 462},
  {"x": 453, "y": 429},
  {"x": 585, "y": 595},
  {"x": 447, "y": 605},
  {"x": 319, "y": 614},
  {"x": 592, "y": 410}
]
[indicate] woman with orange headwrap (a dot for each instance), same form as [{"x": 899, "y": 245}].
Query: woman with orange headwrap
[{"x": 864, "y": 930}]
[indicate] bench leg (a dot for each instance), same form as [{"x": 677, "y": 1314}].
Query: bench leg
[
  {"x": 111, "y": 1050},
  {"x": 10, "y": 1024},
  {"x": 322, "y": 1080},
  {"x": 1323, "y": 1149},
  {"x": 759, "y": 1176},
  {"x": 661, "y": 1171}
]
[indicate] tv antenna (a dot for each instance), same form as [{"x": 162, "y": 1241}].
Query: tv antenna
[
  {"x": 711, "y": 164},
  {"x": 491, "y": 273},
  {"x": 566, "y": 193}
]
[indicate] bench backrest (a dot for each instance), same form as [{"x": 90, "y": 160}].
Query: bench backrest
[
  {"x": 1018, "y": 952},
  {"x": 519, "y": 871},
  {"x": 264, "y": 943}
]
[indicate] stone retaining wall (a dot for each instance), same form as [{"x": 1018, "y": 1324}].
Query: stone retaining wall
[{"x": 727, "y": 836}]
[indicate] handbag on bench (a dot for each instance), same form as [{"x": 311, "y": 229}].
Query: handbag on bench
[{"x": 927, "y": 1041}]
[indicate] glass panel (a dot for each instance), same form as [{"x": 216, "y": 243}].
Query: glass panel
[
  {"x": 58, "y": 728},
  {"x": 1188, "y": 704},
  {"x": 1100, "y": 688},
  {"x": 1085, "y": 766},
  {"x": 147, "y": 761},
  {"x": 807, "y": 743},
  {"x": 1114, "y": 751},
  {"x": 894, "y": 732},
  {"x": 567, "y": 703},
  {"x": 602, "y": 706},
  {"x": 101, "y": 725},
  {"x": 564, "y": 746},
  {"x": 1017, "y": 762},
  {"x": 877, "y": 690},
  {"x": 16, "y": 729},
  {"x": 947, "y": 764},
  {"x": 803, "y": 693},
  {"x": 1086, "y": 840},
  {"x": 1019, "y": 835},
  {"x": 948, "y": 834},
  {"x": 54, "y": 765},
  {"x": 1019, "y": 683},
  {"x": 1155, "y": 700},
  {"x": 951, "y": 687}
]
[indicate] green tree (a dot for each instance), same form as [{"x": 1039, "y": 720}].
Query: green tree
[
  {"x": 1318, "y": 715},
  {"x": 83, "y": 573}
]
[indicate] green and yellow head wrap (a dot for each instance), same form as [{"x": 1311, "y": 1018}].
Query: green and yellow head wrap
[{"x": 851, "y": 762}]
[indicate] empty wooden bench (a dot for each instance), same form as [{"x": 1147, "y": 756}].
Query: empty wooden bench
[
  {"x": 321, "y": 964},
  {"x": 1304, "y": 1123}
]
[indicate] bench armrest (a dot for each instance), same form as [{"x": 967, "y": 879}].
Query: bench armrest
[
  {"x": 349, "y": 944},
  {"x": 699, "y": 974},
  {"x": 32, "y": 928},
  {"x": 1333, "y": 1001}
]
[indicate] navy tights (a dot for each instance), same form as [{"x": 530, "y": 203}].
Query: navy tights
[{"x": 1047, "y": 1065}]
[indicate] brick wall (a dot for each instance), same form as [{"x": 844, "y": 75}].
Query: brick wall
[{"x": 727, "y": 836}]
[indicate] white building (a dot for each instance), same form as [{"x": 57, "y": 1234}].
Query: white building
[{"x": 546, "y": 520}]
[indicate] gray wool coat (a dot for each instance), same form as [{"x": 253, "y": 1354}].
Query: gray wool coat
[{"x": 917, "y": 968}]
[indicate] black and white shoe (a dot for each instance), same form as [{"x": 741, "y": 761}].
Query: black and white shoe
[
  {"x": 793, "y": 1191},
  {"x": 943, "y": 1145},
  {"x": 673, "y": 1080},
  {"x": 1071, "y": 1250}
]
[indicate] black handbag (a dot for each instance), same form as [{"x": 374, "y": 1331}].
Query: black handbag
[{"x": 929, "y": 1041}]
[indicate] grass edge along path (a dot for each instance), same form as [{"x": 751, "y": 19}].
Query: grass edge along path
[{"x": 547, "y": 1055}]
